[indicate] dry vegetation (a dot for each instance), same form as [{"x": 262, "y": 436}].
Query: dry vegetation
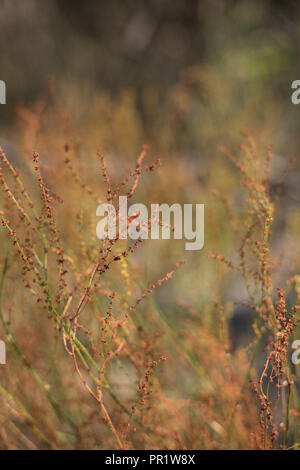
[{"x": 99, "y": 356}]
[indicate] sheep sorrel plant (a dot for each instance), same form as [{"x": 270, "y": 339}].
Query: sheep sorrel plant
[
  {"x": 66, "y": 284},
  {"x": 73, "y": 287},
  {"x": 274, "y": 322}
]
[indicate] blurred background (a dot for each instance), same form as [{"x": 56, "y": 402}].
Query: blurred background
[{"x": 190, "y": 64}]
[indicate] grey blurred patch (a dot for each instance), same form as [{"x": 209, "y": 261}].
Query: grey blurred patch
[
  {"x": 293, "y": 186},
  {"x": 139, "y": 32},
  {"x": 11, "y": 151}
]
